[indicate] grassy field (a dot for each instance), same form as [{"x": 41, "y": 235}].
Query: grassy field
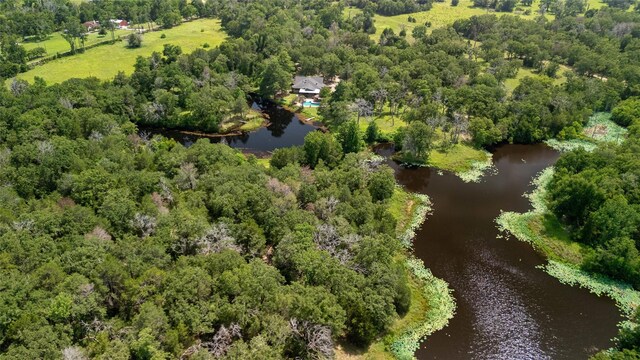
[
  {"x": 540, "y": 228},
  {"x": 252, "y": 122},
  {"x": 462, "y": 159},
  {"x": 104, "y": 62},
  {"x": 443, "y": 14},
  {"x": 55, "y": 43},
  {"x": 511, "y": 84}
]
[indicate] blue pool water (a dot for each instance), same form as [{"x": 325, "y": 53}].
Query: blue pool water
[{"x": 309, "y": 103}]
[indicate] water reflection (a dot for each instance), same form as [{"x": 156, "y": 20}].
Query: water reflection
[
  {"x": 506, "y": 307},
  {"x": 284, "y": 130}
]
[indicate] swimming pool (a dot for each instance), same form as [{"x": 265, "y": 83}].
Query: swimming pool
[{"x": 309, "y": 103}]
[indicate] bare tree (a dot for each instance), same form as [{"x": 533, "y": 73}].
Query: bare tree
[
  {"x": 96, "y": 136},
  {"x": 66, "y": 103},
  {"x": 279, "y": 187},
  {"x": 165, "y": 191},
  {"x": 26, "y": 224},
  {"x": 307, "y": 31},
  {"x": 317, "y": 338},
  {"x": 187, "y": 177},
  {"x": 622, "y": 29},
  {"x": 93, "y": 328},
  {"x": 327, "y": 238},
  {"x": 99, "y": 234},
  {"x": 379, "y": 96},
  {"x": 361, "y": 107},
  {"x": 5, "y": 156},
  {"x": 45, "y": 148},
  {"x": 460, "y": 124},
  {"x": 154, "y": 111},
  {"x": 222, "y": 340},
  {"x": 217, "y": 239},
  {"x": 145, "y": 224},
  {"x": 73, "y": 353},
  {"x": 18, "y": 86},
  {"x": 326, "y": 206}
]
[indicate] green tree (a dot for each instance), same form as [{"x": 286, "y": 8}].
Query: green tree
[
  {"x": 484, "y": 132},
  {"x": 134, "y": 40},
  {"x": 626, "y": 112},
  {"x": 350, "y": 137},
  {"x": 74, "y": 32},
  {"x": 382, "y": 184},
  {"x": 276, "y": 75},
  {"x": 416, "y": 142},
  {"x": 321, "y": 146},
  {"x": 372, "y": 133}
]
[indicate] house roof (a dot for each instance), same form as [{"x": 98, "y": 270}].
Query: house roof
[
  {"x": 308, "y": 82},
  {"x": 91, "y": 24}
]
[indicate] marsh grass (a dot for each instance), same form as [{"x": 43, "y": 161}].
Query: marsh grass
[{"x": 441, "y": 308}]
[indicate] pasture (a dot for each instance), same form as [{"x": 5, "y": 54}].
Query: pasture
[
  {"x": 55, "y": 43},
  {"x": 443, "y": 14},
  {"x": 104, "y": 62}
]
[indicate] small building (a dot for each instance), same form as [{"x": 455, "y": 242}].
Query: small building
[
  {"x": 91, "y": 25},
  {"x": 120, "y": 24},
  {"x": 308, "y": 84}
]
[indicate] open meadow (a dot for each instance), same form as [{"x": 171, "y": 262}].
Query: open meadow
[
  {"x": 55, "y": 43},
  {"x": 443, "y": 14},
  {"x": 104, "y": 62}
]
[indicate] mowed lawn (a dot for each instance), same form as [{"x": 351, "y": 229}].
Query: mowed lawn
[{"x": 104, "y": 62}]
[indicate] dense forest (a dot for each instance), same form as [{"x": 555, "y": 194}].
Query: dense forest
[
  {"x": 451, "y": 78},
  {"x": 116, "y": 245}
]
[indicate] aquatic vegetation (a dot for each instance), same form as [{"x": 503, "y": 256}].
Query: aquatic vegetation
[
  {"x": 420, "y": 213},
  {"x": 478, "y": 169},
  {"x": 465, "y": 161},
  {"x": 441, "y": 310},
  {"x": 568, "y": 145},
  {"x": 564, "y": 256},
  {"x": 441, "y": 302},
  {"x": 627, "y": 299},
  {"x": 599, "y": 128}
]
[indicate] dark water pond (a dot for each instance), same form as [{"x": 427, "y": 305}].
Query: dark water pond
[
  {"x": 506, "y": 307},
  {"x": 285, "y": 130}
]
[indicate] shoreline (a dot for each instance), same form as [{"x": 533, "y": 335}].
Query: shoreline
[
  {"x": 564, "y": 256},
  {"x": 472, "y": 172},
  {"x": 440, "y": 300},
  {"x": 432, "y": 304}
]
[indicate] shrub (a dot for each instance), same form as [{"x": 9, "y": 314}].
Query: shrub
[
  {"x": 134, "y": 40},
  {"x": 626, "y": 112},
  {"x": 36, "y": 53}
]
